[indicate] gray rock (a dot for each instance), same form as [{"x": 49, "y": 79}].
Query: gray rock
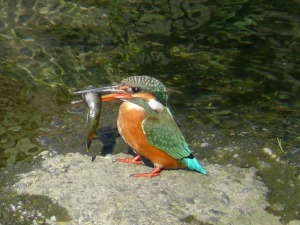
[{"x": 103, "y": 193}]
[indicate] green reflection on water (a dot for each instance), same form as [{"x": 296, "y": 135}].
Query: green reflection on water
[{"x": 233, "y": 67}]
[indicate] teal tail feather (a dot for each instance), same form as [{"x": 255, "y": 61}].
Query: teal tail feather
[{"x": 193, "y": 164}]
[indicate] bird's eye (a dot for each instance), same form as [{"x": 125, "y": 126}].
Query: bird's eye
[{"x": 135, "y": 89}]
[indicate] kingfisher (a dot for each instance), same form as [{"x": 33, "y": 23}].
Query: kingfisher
[{"x": 147, "y": 125}]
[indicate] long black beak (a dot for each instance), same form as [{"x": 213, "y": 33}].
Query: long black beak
[
  {"x": 100, "y": 90},
  {"x": 108, "y": 93}
]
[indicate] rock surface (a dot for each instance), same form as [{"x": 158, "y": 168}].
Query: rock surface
[{"x": 103, "y": 193}]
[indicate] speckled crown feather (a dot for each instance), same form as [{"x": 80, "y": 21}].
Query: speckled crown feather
[{"x": 149, "y": 84}]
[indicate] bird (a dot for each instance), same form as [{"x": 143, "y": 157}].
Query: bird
[{"x": 146, "y": 124}]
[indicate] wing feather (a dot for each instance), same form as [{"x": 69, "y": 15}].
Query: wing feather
[{"x": 163, "y": 133}]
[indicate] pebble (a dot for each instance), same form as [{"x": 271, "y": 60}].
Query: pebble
[
  {"x": 4, "y": 140},
  {"x": 205, "y": 144},
  {"x": 15, "y": 128},
  {"x": 269, "y": 152}
]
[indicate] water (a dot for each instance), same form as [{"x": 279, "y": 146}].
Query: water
[{"x": 232, "y": 68}]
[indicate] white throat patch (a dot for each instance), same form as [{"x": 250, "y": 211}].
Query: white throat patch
[
  {"x": 132, "y": 106},
  {"x": 156, "y": 105}
]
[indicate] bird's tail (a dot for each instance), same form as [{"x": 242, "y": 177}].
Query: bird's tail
[{"x": 192, "y": 163}]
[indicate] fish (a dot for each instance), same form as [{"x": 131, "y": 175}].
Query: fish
[{"x": 93, "y": 102}]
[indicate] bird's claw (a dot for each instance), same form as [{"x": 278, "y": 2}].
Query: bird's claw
[
  {"x": 154, "y": 173},
  {"x": 136, "y": 160}
]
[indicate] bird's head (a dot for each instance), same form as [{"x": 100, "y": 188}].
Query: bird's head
[{"x": 144, "y": 87}]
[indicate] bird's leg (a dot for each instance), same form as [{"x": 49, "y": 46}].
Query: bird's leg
[
  {"x": 135, "y": 160},
  {"x": 155, "y": 172}
]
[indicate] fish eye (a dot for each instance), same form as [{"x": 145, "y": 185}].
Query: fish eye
[{"x": 135, "y": 89}]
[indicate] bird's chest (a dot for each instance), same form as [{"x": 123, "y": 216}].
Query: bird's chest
[{"x": 130, "y": 120}]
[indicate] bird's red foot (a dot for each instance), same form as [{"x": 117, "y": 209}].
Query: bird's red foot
[
  {"x": 135, "y": 160},
  {"x": 153, "y": 173}
]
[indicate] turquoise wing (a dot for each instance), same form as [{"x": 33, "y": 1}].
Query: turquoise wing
[{"x": 163, "y": 133}]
